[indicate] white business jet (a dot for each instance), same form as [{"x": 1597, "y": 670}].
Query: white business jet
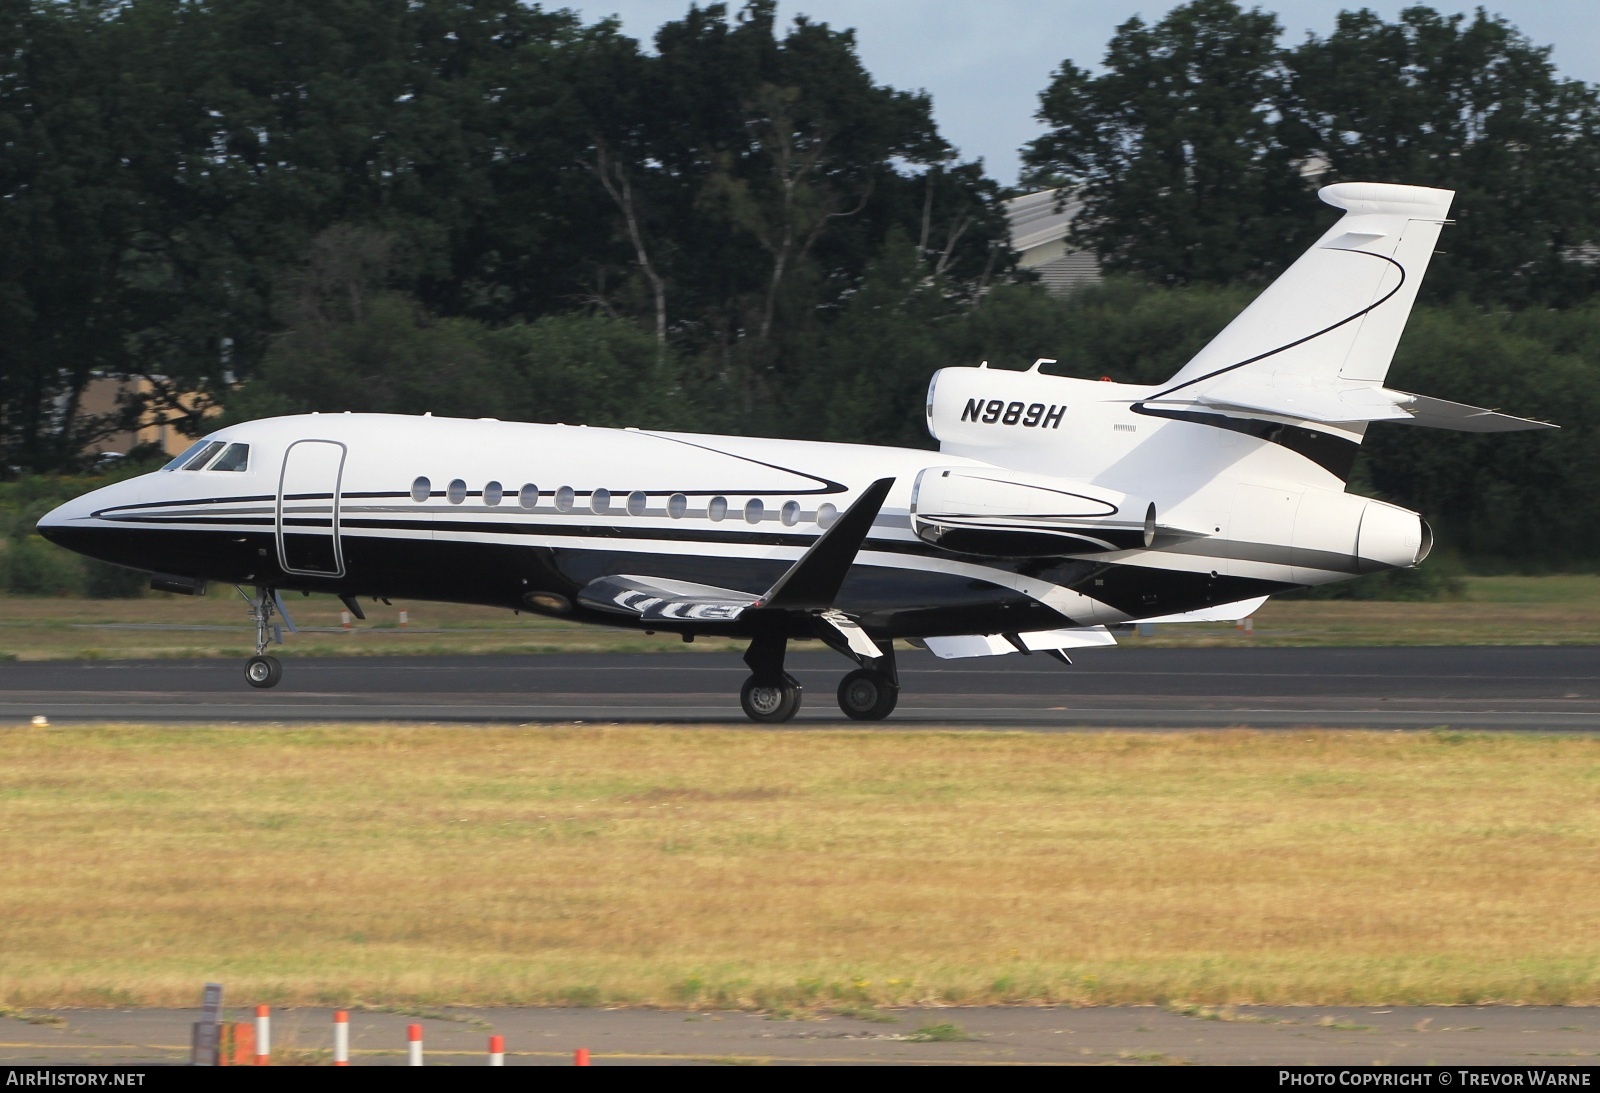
[{"x": 1055, "y": 508}]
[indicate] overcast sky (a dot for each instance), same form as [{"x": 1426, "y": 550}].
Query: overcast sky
[{"x": 985, "y": 61}]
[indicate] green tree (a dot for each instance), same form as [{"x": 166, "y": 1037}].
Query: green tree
[
  {"x": 1469, "y": 105},
  {"x": 70, "y": 217},
  {"x": 1176, "y": 151}
]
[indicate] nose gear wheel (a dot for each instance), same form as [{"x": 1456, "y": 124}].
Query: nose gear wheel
[{"x": 263, "y": 671}]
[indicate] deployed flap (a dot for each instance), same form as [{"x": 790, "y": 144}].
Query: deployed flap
[
  {"x": 660, "y": 598},
  {"x": 962, "y": 646},
  {"x": 1224, "y": 612},
  {"x": 812, "y": 583}
]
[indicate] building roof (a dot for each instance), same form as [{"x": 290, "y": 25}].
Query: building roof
[{"x": 1034, "y": 219}]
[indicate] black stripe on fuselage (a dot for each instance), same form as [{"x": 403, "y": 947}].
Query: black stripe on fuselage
[{"x": 1267, "y": 553}]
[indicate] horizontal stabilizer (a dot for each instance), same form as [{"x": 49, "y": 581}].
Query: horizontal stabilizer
[
  {"x": 1332, "y": 405},
  {"x": 1308, "y": 403},
  {"x": 1436, "y": 413},
  {"x": 962, "y": 646}
]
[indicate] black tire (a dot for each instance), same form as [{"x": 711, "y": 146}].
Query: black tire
[
  {"x": 866, "y": 695},
  {"x": 263, "y": 672},
  {"x": 770, "y": 704}
]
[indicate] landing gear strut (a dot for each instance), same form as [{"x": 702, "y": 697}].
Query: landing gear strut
[
  {"x": 770, "y": 694},
  {"x": 262, "y": 670}
]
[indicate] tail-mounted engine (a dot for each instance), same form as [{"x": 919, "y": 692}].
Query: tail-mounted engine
[{"x": 1010, "y": 514}]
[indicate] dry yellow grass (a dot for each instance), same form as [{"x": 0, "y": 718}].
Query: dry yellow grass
[{"x": 789, "y": 869}]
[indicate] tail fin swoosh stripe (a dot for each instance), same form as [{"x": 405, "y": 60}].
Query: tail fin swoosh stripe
[{"x": 1299, "y": 341}]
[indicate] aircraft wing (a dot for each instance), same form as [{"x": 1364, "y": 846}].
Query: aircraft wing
[
  {"x": 653, "y": 598},
  {"x": 809, "y": 586}
]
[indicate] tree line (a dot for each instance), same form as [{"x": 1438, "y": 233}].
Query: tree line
[{"x": 486, "y": 208}]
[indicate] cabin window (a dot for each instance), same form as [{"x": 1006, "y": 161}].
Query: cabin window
[
  {"x": 677, "y": 505},
  {"x": 636, "y": 503},
  {"x": 421, "y": 489},
  {"x": 236, "y": 458},
  {"x": 753, "y": 509},
  {"x": 718, "y": 508},
  {"x": 565, "y": 496},
  {"x": 600, "y": 501},
  {"x": 790, "y": 514},
  {"x": 205, "y": 455},
  {"x": 457, "y": 492},
  {"x": 826, "y": 515},
  {"x": 492, "y": 493},
  {"x": 528, "y": 496}
]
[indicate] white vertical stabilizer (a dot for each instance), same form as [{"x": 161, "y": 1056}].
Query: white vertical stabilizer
[{"x": 1330, "y": 323}]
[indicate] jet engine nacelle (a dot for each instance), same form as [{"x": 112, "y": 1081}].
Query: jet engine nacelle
[
  {"x": 1391, "y": 537},
  {"x": 1330, "y": 535},
  {"x": 1011, "y": 514}
]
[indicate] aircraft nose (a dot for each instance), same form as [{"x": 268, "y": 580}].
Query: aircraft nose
[
  {"x": 76, "y": 526},
  {"x": 53, "y": 524}
]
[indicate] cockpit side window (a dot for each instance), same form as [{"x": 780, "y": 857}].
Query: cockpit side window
[
  {"x": 204, "y": 456},
  {"x": 236, "y": 458}
]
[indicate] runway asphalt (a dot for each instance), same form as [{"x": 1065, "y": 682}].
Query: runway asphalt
[
  {"x": 1546, "y": 689},
  {"x": 1538, "y": 1037}
]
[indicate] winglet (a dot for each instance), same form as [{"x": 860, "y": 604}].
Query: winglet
[{"x": 812, "y": 583}]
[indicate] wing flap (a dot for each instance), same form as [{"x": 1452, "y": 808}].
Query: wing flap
[
  {"x": 962, "y": 646},
  {"x": 1222, "y": 612}
]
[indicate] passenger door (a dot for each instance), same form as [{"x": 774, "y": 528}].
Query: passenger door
[{"x": 308, "y": 509}]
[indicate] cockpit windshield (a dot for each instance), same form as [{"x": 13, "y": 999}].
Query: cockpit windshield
[
  {"x": 184, "y": 456},
  {"x": 202, "y": 452},
  {"x": 204, "y": 456}
]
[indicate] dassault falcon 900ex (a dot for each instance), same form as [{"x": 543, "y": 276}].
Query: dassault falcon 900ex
[{"x": 1054, "y": 509}]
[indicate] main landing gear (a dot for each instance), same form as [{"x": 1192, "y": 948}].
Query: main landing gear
[
  {"x": 867, "y": 694},
  {"x": 775, "y": 701},
  {"x": 261, "y": 670},
  {"x": 772, "y": 695}
]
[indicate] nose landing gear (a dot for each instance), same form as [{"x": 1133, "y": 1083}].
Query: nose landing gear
[{"x": 262, "y": 671}]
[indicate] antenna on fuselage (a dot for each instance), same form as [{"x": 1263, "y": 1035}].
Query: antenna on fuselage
[{"x": 1042, "y": 361}]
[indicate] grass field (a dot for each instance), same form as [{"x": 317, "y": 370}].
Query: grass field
[
  {"x": 1562, "y": 610},
  {"x": 794, "y": 870}
]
